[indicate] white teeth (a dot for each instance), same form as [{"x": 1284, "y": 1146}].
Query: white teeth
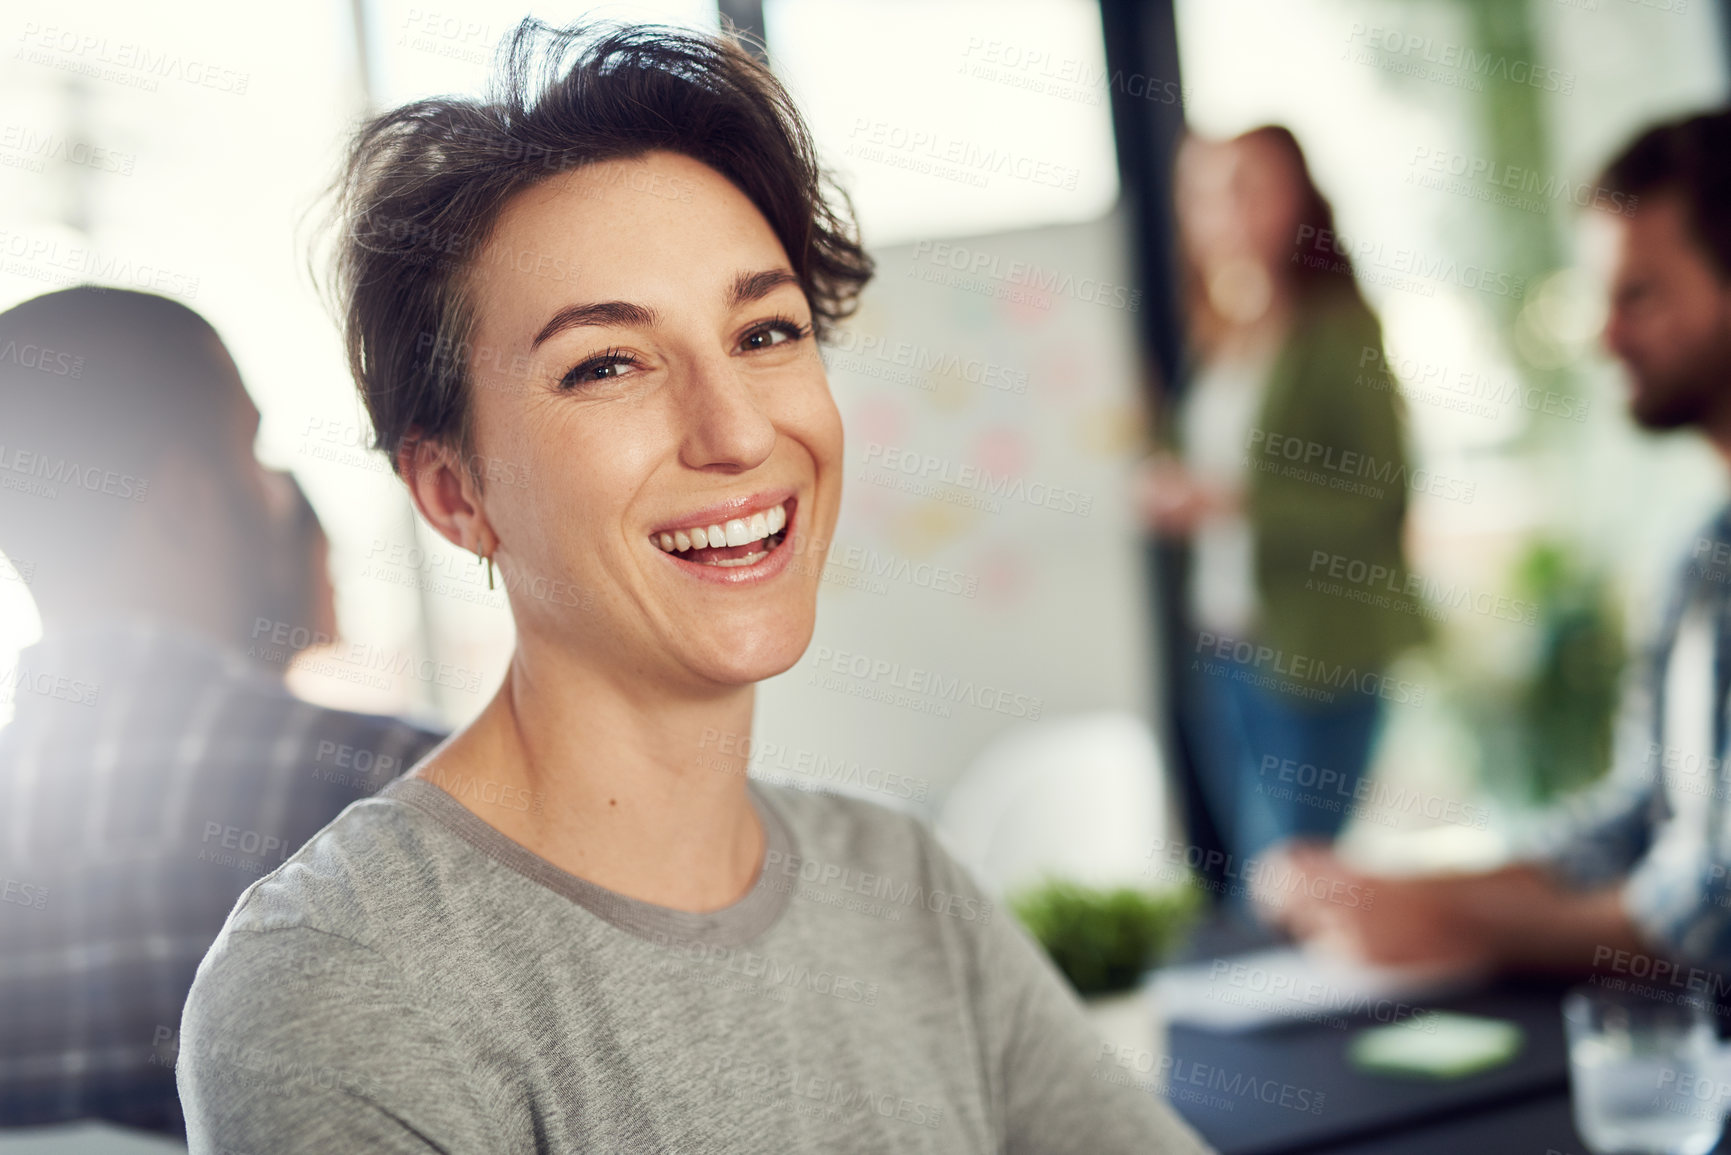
[
  {"x": 738, "y": 531},
  {"x": 748, "y": 559}
]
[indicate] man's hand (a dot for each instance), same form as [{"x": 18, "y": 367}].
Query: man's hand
[
  {"x": 1513, "y": 917},
  {"x": 1305, "y": 888}
]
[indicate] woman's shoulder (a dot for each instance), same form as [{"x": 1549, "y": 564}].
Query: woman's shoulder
[
  {"x": 851, "y": 832},
  {"x": 329, "y": 925},
  {"x": 1336, "y": 315},
  {"x": 352, "y": 879},
  {"x": 832, "y": 818},
  {"x": 301, "y": 1022}
]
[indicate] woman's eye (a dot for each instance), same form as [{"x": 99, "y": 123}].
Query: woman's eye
[
  {"x": 775, "y": 333},
  {"x": 764, "y": 338},
  {"x": 604, "y": 368}
]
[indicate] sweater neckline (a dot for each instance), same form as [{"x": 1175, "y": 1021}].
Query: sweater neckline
[{"x": 736, "y": 924}]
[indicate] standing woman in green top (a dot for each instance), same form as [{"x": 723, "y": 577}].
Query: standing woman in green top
[{"x": 1287, "y": 480}]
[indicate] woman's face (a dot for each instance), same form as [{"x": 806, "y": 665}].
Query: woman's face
[
  {"x": 1237, "y": 201},
  {"x": 645, "y": 377},
  {"x": 1207, "y": 216},
  {"x": 1265, "y": 193}
]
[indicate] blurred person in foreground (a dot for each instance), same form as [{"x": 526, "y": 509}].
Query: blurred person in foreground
[
  {"x": 1642, "y": 862},
  {"x": 1289, "y": 449},
  {"x": 668, "y": 955},
  {"x": 155, "y": 764}
]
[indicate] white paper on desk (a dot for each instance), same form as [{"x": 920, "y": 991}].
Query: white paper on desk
[{"x": 1291, "y": 984}]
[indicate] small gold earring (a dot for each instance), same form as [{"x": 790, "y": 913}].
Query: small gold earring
[{"x": 489, "y": 562}]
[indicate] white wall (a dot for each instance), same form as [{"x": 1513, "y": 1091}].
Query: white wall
[{"x": 1055, "y": 618}]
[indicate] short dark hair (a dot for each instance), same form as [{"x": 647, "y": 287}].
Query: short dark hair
[
  {"x": 425, "y": 184},
  {"x": 1690, "y": 158}
]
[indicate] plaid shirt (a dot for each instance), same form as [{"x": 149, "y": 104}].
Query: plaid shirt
[
  {"x": 147, "y": 778},
  {"x": 1679, "y": 904}
]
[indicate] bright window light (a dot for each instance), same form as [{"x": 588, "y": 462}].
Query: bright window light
[{"x": 955, "y": 118}]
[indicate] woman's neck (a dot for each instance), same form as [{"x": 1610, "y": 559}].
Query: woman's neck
[
  {"x": 636, "y": 790},
  {"x": 1267, "y": 328}
]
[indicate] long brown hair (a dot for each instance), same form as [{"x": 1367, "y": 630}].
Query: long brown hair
[{"x": 1320, "y": 264}]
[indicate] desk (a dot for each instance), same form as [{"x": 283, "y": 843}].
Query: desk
[{"x": 1291, "y": 1089}]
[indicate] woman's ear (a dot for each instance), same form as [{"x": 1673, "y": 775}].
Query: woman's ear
[{"x": 445, "y": 492}]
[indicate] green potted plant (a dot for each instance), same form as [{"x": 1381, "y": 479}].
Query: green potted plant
[
  {"x": 1104, "y": 940},
  {"x": 1544, "y": 729}
]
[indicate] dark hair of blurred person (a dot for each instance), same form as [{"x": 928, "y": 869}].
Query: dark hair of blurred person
[
  {"x": 1287, "y": 445},
  {"x": 130, "y": 478},
  {"x": 153, "y": 735},
  {"x": 1669, "y": 324},
  {"x": 1641, "y": 862}
]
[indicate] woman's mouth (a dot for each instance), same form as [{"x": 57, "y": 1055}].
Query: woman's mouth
[{"x": 729, "y": 543}]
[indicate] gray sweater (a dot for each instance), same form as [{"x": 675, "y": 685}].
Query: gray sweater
[{"x": 412, "y": 980}]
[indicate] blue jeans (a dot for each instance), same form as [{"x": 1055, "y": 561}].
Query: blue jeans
[{"x": 1276, "y": 766}]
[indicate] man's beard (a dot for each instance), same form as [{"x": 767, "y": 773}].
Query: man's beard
[{"x": 1697, "y": 394}]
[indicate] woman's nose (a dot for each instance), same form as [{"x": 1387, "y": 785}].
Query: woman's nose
[{"x": 724, "y": 422}]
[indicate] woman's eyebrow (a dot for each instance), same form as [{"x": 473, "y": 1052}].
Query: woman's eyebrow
[
  {"x": 749, "y": 287},
  {"x": 620, "y": 314},
  {"x": 746, "y": 288}
]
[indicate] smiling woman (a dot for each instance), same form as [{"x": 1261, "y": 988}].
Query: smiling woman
[{"x": 578, "y": 924}]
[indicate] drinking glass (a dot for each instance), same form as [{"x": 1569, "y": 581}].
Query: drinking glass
[{"x": 1644, "y": 1070}]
